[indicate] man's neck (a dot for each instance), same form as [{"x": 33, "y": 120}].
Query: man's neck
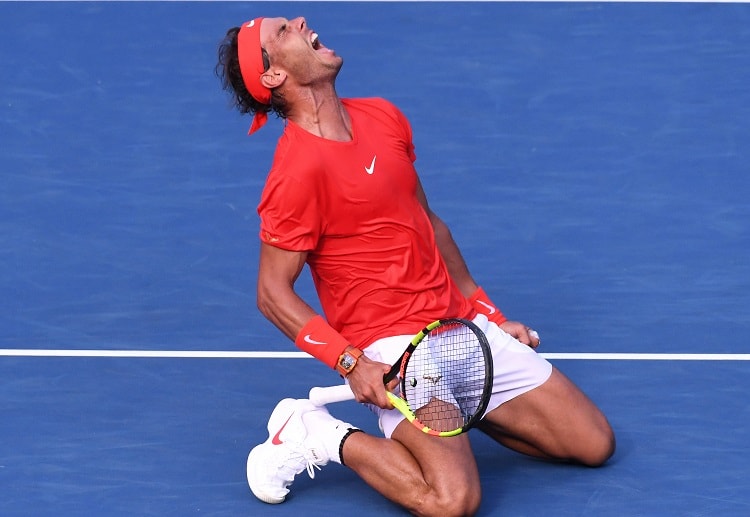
[{"x": 320, "y": 112}]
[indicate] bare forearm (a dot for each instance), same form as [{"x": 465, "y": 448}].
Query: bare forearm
[
  {"x": 276, "y": 298},
  {"x": 284, "y": 308},
  {"x": 448, "y": 248},
  {"x": 279, "y": 302},
  {"x": 454, "y": 261}
]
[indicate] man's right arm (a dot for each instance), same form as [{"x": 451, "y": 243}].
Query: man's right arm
[
  {"x": 277, "y": 300},
  {"x": 278, "y": 270}
]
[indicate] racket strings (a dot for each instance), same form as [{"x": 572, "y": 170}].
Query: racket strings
[{"x": 445, "y": 377}]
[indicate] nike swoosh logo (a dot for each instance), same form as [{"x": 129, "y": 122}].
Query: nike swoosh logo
[
  {"x": 308, "y": 339},
  {"x": 371, "y": 168},
  {"x": 489, "y": 307},
  {"x": 276, "y": 440}
]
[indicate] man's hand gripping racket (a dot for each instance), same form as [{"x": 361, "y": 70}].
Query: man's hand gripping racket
[{"x": 445, "y": 379}]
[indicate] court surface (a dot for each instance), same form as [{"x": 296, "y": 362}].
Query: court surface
[{"x": 590, "y": 158}]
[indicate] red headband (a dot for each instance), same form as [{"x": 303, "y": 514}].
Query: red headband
[{"x": 250, "y": 54}]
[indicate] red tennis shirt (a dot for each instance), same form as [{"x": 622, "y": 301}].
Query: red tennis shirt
[{"x": 353, "y": 207}]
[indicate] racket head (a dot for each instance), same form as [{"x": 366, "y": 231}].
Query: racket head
[{"x": 446, "y": 377}]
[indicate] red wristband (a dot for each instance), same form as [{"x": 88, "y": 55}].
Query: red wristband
[
  {"x": 484, "y": 305},
  {"x": 321, "y": 341}
]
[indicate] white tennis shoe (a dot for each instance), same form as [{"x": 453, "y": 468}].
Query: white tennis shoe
[{"x": 289, "y": 449}]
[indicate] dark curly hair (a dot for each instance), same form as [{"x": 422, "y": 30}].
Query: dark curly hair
[{"x": 228, "y": 71}]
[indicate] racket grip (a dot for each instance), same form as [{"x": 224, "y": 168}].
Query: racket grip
[{"x": 330, "y": 394}]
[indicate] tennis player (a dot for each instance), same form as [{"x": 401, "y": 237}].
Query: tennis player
[{"x": 343, "y": 196}]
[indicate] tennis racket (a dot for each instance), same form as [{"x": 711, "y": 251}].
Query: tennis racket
[{"x": 445, "y": 379}]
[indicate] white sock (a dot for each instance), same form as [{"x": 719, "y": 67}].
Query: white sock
[{"x": 329, "y": 430}]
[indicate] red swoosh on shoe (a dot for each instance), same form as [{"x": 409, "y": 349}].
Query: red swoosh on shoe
[{"x": 276, "y": 440}]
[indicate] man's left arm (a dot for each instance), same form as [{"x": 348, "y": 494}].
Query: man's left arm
[{"x": 460, "y": 274}]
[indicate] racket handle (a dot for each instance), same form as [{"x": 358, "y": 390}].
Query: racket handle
[{"x": 330, "y": 394}]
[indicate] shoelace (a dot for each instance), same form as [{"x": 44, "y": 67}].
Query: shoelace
[
  {"x": 295, "y": 460},
  {"x": 311, "y": 468}
]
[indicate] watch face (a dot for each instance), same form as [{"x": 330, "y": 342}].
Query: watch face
[{"x": 347, "y": 362}]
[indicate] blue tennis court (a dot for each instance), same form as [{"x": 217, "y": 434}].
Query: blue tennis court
[{"x": 590, "y": 158}]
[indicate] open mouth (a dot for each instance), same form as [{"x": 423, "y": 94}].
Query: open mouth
[{"x": 317, "y": 46}]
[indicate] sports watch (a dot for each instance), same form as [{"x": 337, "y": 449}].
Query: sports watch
[{"x": 348, "y": 360}]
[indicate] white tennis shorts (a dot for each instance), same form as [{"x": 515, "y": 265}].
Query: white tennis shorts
[{"x": 517, "y": 368}]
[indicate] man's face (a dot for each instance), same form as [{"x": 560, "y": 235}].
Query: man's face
[{"x": 296, "y": 49}]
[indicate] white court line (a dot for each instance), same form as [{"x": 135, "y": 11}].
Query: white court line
[
  {"x": 214, "y": 354},
  {"x": 649, "y": 357}
]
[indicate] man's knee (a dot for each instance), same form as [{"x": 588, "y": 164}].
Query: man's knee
[
  {"x": 456, "y": 502},
  {"x": 599, "y": 447},
  {"x": 592, "y": 438}
]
